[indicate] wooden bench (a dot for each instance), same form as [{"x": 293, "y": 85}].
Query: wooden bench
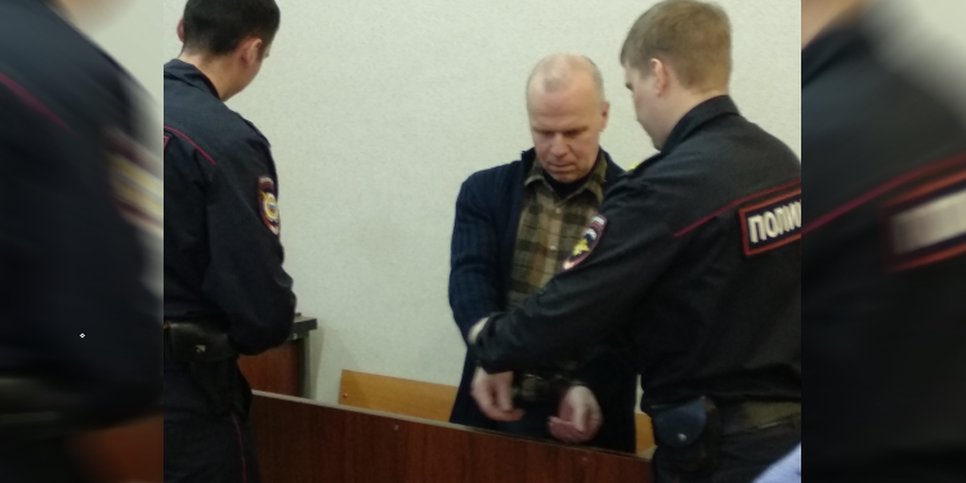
[{"x": 430, "y": 401}]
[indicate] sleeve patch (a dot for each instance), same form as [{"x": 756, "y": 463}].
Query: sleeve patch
[
  {"x": 771, "y": 224},
  {"x": 927, "y": 225},
  {"x": 588, "y": 241},
  {"x": 268, "y": 204}
]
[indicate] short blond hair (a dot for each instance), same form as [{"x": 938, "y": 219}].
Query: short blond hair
[{"x": 693, "y": 37}]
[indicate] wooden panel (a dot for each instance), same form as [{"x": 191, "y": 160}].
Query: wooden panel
[
  {"x": 396, "y": 395},
  {"x": 431, "y": 401},
  {"x": 645, "y": 435},
  {"x": 301, "y": 441},
  {"x": 275, "y": 370},
  {"x": 128, "y": 452}
]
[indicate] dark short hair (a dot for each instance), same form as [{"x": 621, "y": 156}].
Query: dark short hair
[{"x": 216, "y": 27}]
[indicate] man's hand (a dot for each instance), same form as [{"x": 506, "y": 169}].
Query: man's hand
[
  {"x": 579, "y": 418},
  {"x": 494, "y": 395}
]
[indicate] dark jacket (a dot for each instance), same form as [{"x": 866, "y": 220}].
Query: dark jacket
[
  {"x": 484, "y": 236},
  {"x": 70, "y": 262},
  {"x": 222, "y": 254},
  {"x": 79, "y": 330},
  {"x": 884, "y": 268}
]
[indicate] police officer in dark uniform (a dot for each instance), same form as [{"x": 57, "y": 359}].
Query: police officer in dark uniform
[
  {"x": 225, "y": 290},
  {"x": 79, "y": 344},
  {"x": 884, "y": 257},
  {"x": 694, "y": 256}
]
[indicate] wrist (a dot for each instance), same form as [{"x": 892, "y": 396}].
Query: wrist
[{"x": 474, "y": 331}]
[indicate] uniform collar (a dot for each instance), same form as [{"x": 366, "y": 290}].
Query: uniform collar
[
  {"x": 695, "y": 118},
  {"x": 852, "y": 38},
  {"x": 189, "y": 74},
  {"x": 830, "y": 47}
]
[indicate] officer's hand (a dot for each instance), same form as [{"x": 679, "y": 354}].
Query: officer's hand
[
  {"x": 579, "y": 418},
  {"x": 494, "y": 395}
]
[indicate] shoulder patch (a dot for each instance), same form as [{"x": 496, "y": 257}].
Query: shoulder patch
[
  {"x": 588, "y": 241},
  {"x": 268, "y": 204},
  {"x": 926, "y": 225},
  {"x": 771, "y": 224}
]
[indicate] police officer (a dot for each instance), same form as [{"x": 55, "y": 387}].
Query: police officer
[
  {"x": 884, "y": 256},
  {"x": 225, "y": 290},
  {"x": 79, "y": 345},
  {"x": 694, "y": 256}
]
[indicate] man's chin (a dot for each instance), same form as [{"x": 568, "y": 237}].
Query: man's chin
[{"x": 563, "y": 176}]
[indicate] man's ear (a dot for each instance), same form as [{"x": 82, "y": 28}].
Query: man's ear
[
  {"x": 251, "y": 50},
  {"x": 181, "y": 30},
  {"x": 605, "y": 112},
  {"x": 662, "y": 76}
]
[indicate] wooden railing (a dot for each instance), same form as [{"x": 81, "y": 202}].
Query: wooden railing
[
  {"x": 432, "y": 401},
  {"x": 303, "y": 441}
]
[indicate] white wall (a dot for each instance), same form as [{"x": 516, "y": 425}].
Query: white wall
[
  {"x": 926, "y": 41},
  {"x": 130, "y": 31},
  {"x": 377, "y": 111}
]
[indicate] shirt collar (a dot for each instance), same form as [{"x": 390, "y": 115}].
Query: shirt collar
[
  {"x": 594, "y": 183},
  {"x": 189, "y": 74}
]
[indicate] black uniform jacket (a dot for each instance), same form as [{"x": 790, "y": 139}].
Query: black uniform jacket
[
  {"x": 74, "y": 311},
  {"x": 695, "y": 257},
  {"x": 222, "y": 255},
  {"x": 884, "y": 268}
]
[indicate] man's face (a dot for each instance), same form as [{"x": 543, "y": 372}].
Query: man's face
[
  {"x": 566, "y": 126},
  {"x": 643, "y": 96}
]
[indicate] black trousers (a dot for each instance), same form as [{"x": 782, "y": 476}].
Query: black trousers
[
  {"x": 744, "y": 455},
  {"x": 201, "y": 444},
  {"x": 201, "y": 448},
  {"x": 24, "y": 459}
]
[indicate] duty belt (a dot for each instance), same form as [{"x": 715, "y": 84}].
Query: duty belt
[
  {"x": 750, "y": 415},
  {"x": 198, "y": 341}
]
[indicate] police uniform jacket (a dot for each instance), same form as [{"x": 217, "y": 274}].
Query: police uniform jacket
[
  {"x": 222, "y": 255},
  {"x": 884, "y": 268},
  {"x": 695, "y": 258},
  {"x": 73, "y": 309}
]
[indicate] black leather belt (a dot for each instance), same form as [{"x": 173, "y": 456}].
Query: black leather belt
[
  {"x": 753, "y": 415},
  {"x": 197, "y": 341}
]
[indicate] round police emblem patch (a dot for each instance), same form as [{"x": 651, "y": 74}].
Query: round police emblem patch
[
  {"x": 268, "y": 204},
  {"x": 588, "y": 241}
]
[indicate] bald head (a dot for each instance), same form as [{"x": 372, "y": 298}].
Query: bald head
[
  {"x": 567, "y": 110},
  {"x": 561, "y": 71}
]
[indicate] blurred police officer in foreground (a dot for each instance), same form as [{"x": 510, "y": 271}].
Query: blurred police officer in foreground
[
  {"x": 694, "y": 255},
  {"x": 225, "y": 290},
  {"x": 79, "y": 345},
  {"x": 884, "y": 255}
]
